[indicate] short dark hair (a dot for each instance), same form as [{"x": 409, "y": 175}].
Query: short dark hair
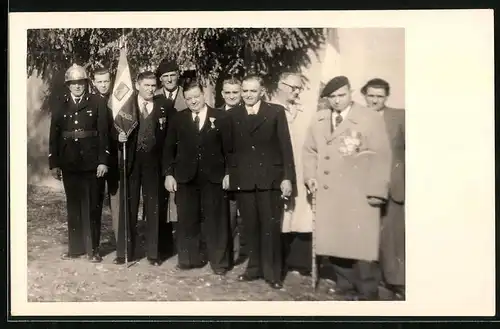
[
  {"x": 101, "y": 71},
  {"x": 376, "y": 83},
  {"x": 190, "y": 84},
  {"x": 231, "y": 80},
  {"x": 254, "y": 77},
  {"x": 146, "y": 75}
]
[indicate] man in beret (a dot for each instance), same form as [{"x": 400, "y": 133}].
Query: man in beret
[
  {"x": 347, "y": 161},
  {"x": 392, "y": 242}
]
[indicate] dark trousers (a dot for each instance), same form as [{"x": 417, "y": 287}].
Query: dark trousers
[
  {"x": 202, "y": 202},
  {"x": 392, "y": 244},
  {"x": 238, "y": 241},
  {"x": 357, "y": 275},
  {"x": 113, "y": 189},
  {"x": 261, "y": 216},
  {"x": 84, "y": 193},
  {"x": 145, "y": 174},
  {"x": 297, "y": 250}
]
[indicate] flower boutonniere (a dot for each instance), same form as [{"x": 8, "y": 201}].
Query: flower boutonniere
[
  {"x": 212, "y": 121},
  {"x": 350, "y": 143}
]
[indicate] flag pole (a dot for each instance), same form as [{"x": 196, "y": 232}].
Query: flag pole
[
  {"x": 314, "y": 270},
  {"x": 125, "y": 183}
]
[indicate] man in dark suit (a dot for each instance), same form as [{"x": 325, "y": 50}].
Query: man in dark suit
[
  {"x": 78, "y": 154},
  {"x": 261, "y": 172},
  {"x": 194, "y": 156},
  {"x": 102, "y": 85},
  {"x": 231, "y": 93},
  {"x": 392, "y": 240},
  {"x": 144, "y": 155}
]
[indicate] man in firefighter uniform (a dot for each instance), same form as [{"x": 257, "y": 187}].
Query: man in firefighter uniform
[{"x": 78, "y": 154}]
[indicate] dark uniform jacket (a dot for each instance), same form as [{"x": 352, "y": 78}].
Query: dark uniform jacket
[
  {"x": 79, "y": 139},
  {"x": 162, "y": 114},
  {"x": 189, "y": 151},
  {"x": 262, "y": 155}
]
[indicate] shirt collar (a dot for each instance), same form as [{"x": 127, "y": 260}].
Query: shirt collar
[
  {"x": 255, "y": 107},
  {"x": 75, "y": 97},
  {"x": 174, "y": 92},
  {"x": 142, "y": 100},
  {"x": 344, "y": 112},
  {"x": 202, "y": 112}
]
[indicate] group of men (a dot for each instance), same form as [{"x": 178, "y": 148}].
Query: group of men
[{"x": 234, "y": 182}]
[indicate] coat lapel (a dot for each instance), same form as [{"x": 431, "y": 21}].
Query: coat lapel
[
  {"x": 351, "y": 120},
  {"x": 260, "y": 117},
  {"x": 325, "y": 123},
  {"x": 84, "y": 102},
  {"x": 207, "y": 124}
]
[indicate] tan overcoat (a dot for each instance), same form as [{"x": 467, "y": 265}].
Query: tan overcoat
[{"x": 345, "y": 224}]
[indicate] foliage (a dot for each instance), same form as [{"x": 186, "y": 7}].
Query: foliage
[{"x": 213, "y": 52}]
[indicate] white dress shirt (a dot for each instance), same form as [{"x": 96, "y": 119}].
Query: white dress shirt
[
  {"x": 254, "y": 108},
  {"x": 202, "y": 115},
  {"x": 74, "y": 98},
  {"x": 174, "y": 93},
  {"x": 344, "y": 114},
  {"x": 149, "y": 104}
]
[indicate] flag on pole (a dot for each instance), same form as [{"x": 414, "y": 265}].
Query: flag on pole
[
  {"x": 331, "y": 65},
  {"x": 121, "y": 101}
]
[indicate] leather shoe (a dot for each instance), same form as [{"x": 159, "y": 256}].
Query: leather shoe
[
  {"x": 154, "y": 262},
  {"x": 246, "y": 277},
  {"x": 220, "y": 272},
  {"x": 68, "y": 256},
  {"x": 119, "y": 261},
  {"x": 95, "y": 258},
  {"x": 276, "y": 285},
  {"x": 183, "y": 267}
]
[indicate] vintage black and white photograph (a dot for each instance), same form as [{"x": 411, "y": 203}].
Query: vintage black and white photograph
[
  {"x": 173, "y": 161},
  {"x": 216, "y": 164}
]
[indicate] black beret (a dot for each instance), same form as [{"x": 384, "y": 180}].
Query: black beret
[
  {"x": 166, "y": 66},
  {"x": 334, "y": 84}
]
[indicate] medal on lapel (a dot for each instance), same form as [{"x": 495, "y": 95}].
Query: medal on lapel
[
  {"x": 212, "y": 120},
  {"x": 162, "y": 122}
]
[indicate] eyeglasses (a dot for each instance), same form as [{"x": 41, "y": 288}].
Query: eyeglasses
[{"x": 294, "y": 88}]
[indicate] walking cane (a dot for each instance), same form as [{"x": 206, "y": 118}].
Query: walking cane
[
  {"x": 125, "y": 201},
  {"x": 314, "y": 270}
]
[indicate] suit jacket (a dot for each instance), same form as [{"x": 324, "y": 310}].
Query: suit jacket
[
  {"x": 79, "y": 154},
  {"x": 162, "y": 113},
  {"x": 189, "y": 151},
  {"x": 261, "y": 155},
  {"x": 395, "y": 126},
  {"x": 179, "y": 101}
]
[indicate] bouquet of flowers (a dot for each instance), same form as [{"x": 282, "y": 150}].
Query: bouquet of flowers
[{"x": 350, "y": 143}]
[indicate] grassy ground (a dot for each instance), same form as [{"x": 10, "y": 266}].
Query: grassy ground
[{"x": 52, "y": 279}]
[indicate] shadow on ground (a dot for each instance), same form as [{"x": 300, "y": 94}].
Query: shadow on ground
[{"x": 52, "y": 279}]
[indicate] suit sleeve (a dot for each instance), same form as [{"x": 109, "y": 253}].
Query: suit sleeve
[
  {"x": 170, "y": 148},
  {"x": 54, "y": 139},
  {"x": 103, "y": 129},
  {"x": 380, "y": 168},
  {"x": 310, "y": 153},
  {"x": 398, "y": 171},
  {"x": 286, "y": 147},
  {"x": 226, "y": 135}
]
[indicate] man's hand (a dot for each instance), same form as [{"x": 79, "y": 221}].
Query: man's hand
[
  {"x": 312, "y": 185},
  {"x": 170, "y": 184},
  {"x": 286, "y": 189},
  {"x": 122, "y": 137},
  {"x": 56, "y": 173},
  {"x": 225, "y": 183},
  {"x": 375, "y": 202},
  {"x": 101, "y": 170}
]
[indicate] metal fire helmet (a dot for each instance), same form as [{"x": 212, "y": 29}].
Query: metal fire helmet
[{"x": 74, "y": 73}]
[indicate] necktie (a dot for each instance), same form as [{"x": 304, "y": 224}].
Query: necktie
[
  {"x": 144, "y": 110},
  {"x": 77, "y": 100},
  {"x": 197, "y": 121},
  {"x": 338, "y": 119},
  {"x": 171, "y": 96}
]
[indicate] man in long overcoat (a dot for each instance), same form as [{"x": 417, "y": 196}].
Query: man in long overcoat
[
  {"x": 347, "y": 160},
  {"x": 392, "y": 242}
]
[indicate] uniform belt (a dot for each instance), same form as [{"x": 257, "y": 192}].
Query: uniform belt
[{"x": 79, "y": 134}]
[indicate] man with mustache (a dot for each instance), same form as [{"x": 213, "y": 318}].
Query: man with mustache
[
  {"x": 78, "y": 154},
  {"x": 144, "y": 155}
]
